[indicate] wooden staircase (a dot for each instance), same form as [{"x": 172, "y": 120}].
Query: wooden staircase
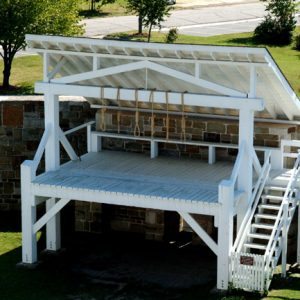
[{"x": 263, "y": 238}]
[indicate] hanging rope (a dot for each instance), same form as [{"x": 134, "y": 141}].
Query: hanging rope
[
  {"x": 137, "y": 130},
  {"x": 167, "y": 116},
  {"x": 103, "y": 111},
  {"x": 118, "y": 112},
  {"x": 183, "y": 120},
  {"x": 152, "y": 120}
]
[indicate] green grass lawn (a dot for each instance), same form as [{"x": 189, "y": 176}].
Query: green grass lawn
[
  {"x": 55, "y": 279},
  {"x": 27, "y": 70}
]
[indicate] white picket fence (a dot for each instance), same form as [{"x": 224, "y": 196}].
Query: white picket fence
[{"x": 247, "y": 272}]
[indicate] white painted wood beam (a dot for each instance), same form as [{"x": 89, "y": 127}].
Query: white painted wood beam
[
  {"x": 46, "y": 66},
  {"x": 57, "y": 68},
  {"x": 225, "y": 232},
  {"x": 101, "y": 73},
  {"x": 200, "y": 231},
  {"x": 29, "y": 242},
  {"x": 196, "y": 81},
  {"x": 159, "y": 96},
  {"x": 52, "y": 162},
  {"x": 50, "y": 214},
  {"x": 157, "y": 59},
  {"x": 90, "y": 195},
  {"x": 68, "y": 147},
  {"x": 245, "y": 178}
]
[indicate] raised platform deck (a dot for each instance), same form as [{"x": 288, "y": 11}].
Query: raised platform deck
[{"x": 136, "y": 180}]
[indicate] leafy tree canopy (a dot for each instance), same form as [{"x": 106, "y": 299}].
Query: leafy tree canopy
[
  {"x": 20, "y": 17},
  {"x": 278, "y": 26}
]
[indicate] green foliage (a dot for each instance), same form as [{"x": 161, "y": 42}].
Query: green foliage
[
  {"x": 172, "y": 36},
  {"x": 278, "y": 26},
  {"x": 20, "y": 17},
  {"x": 151, "y": 12},
  {"x": 298, "y": 42}
]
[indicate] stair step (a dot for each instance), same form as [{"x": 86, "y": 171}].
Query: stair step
[
  {"x": 262, "y": 226},
  {"x": 255, "y": 246},
  {"x": 271, "y": 197},
  {"x": 266, "y": 216},
  {"x": 259, "y": 236},
  {"x": 275, "y": 188},
  {"x": 269, "y": 206}
]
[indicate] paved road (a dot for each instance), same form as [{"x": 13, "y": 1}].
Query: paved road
[
  {"x": 205, "y": 21},
  {"x": 201, "y": 21}
]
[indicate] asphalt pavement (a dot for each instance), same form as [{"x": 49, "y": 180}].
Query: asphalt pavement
[{"x": 203, "y": 21}]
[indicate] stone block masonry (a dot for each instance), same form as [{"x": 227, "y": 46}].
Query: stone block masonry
[{"x": 22, "y": 125}]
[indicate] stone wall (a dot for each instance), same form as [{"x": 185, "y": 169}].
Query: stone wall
[{"x": 22, "y": 125}]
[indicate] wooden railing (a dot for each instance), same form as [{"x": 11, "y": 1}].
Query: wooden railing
[{"x": 256, "y": 194}]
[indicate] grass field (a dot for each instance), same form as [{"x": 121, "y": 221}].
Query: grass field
[
  {"x": 57, "y": 278},
  {"x": 26, "y": 70}
]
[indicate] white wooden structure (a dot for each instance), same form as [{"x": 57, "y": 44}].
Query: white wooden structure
[{"x": 231, "y": 80}]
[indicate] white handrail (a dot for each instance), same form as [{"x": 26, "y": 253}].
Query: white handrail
[
  {"x": 258, "y": 189},
  {"x": 79, "y": 127},
  {"x": 277, "y": 225}
]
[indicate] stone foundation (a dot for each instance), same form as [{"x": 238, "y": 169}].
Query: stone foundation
[{"x": 22, "y": 125}]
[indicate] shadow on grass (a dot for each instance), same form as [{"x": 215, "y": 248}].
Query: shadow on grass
[
  {"x": 244, "y": 41},
  {"x": 93, "y": 14},
  {"x": 136, "y": 37},
  {"x": 25, "y": 89}
]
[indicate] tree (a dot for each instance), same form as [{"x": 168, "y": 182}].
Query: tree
[
  {"x": 279, "y": 24},
  {"x": 154, "y": 13},
  {"x": 137, "y": 7},
  {"x": 150, "y": 12},
  {"x": 19, "y": 17}
]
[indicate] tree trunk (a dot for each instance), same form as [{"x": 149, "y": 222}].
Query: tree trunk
[
  {"x": 140, "y": 25},
  {"x": 149, "y": 33},
  {"x": 6, "y": 73}
]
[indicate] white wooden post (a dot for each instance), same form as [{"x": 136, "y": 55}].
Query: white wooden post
[
  {"x": 88, "y": 138},
  {"x": 29, "y": 242},
  {"x": 96, "y": 143},
  {"x": 284, "y": 239},
  {"x": 52, "y": 162},
  {"x": 153, "y": 149},
  {"x": 246, "y": 128},
  {"x": 276, "y": 159},
  {"x": 211, "y": 154},
  {"x": 225, "y": 233}
]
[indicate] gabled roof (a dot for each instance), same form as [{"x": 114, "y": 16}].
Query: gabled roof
[{"x": 209, "y": 70}]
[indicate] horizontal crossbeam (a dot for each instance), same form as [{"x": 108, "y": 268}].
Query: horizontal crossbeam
[
  {"x": 190, "y": 99},
  {"x": 151, "y": 66}
]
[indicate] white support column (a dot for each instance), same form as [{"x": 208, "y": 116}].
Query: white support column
[
  {"x": 211, "y": 155},
  {"x": 246, "y": 128},
  {"x": 284, "y": 239},
  {"x": 225, "y": 233},
  {"x": 276, "y": 159},
  {"x": 52, "y": 162},
  {"x": 29, "y": 242},
  {"x": 154, "y": 149},
  {"x": 96, "y": 143}
]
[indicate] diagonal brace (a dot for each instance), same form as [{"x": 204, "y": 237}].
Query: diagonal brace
[
  {"x": 50, "y": 214},
  {"x": 66, "y": 144},
  {"x": 200, "y": 231}
]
